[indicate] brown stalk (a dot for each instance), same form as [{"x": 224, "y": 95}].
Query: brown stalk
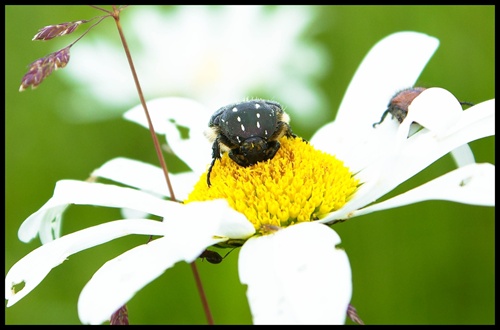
[{"x": 116, "y": 15}]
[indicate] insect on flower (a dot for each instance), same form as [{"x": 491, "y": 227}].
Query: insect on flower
[
  {"x": 399, "y": 103},
  {"x": 211, "y": 256},
  {"x": 248, "y": 131}
]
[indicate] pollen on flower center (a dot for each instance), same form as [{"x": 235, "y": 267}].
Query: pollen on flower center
[{"x": 299, "y": 184}]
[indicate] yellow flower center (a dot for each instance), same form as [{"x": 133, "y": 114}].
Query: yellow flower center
[{"x": 299, "y": 184}]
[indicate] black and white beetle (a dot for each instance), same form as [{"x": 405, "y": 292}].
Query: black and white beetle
[{"x": 248, "y": 131}]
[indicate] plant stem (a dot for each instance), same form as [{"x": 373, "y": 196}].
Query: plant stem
[
  {"x": 204, "y": 301},
  {"x": 199, "y": 285},
  {"x": 116, "y": 16}
]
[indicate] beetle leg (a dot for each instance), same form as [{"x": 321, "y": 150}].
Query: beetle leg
[
  {"x": 386, "y": 112},
  {"x": 216, "y": 148},
  {"x": 272, "y": 149},
  {"x": 215, "y": 156},
  {"x": 216, "y": 151},
  {"x": 282, "y": 129}
]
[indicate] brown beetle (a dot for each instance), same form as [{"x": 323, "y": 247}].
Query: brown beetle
[{"x": 399, "y": 103}]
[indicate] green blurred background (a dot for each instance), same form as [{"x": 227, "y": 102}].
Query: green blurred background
[{"x": 428, "y": 263}]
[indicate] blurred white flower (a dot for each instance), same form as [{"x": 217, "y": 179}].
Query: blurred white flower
[
  {"x": 294, "y": 272},
  {"x": 214, "y": 54}
]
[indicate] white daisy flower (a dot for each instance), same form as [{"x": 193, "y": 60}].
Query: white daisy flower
[
  {"x": 289, "y": 257},
  {"x": 225, "y": 52}
]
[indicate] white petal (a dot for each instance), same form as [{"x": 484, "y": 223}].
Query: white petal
[
  {"x": 195, "y": 151},
  {"x": 186, "y": 237},
  {"x": 438, "y": 110},
  {"x": 425, "y": 147},
  {"x": 471, "y": 184},
  {"x": 296, "y": 276},
  {"x": 183, "y": 184},
  {"x": 167, "y": 109},
  {"x": 435, "y": 109},
  {"x": 79, "y": 192},
  {"x": 33, "y": 268},
  {"x": 412, "y": 155},
  {"x": 120, "y": 278},
  {"x": 463, "y": 155},
  {"x": 147, "y": 177},
  {"x": 218, "y": 218},
  {"x": 394, "y": 63},
  {"x": 169, "y": 113},
  {"x": 133, "y": 214},
  {"x": 360, "y": 151}
]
